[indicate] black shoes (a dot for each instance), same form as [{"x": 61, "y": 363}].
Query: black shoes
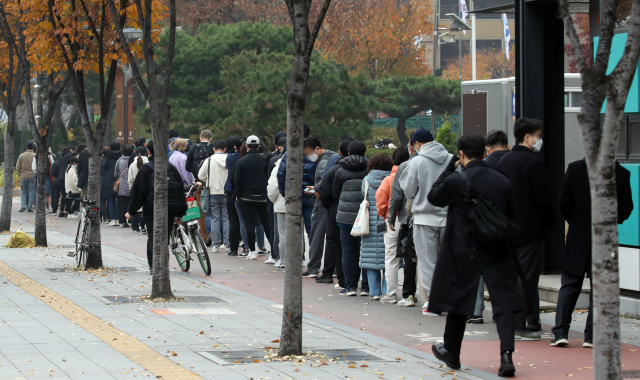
[
  {"x": 30, "y": 210},
  {"x": 560, "y": 341},
  {"x": 535, "y": 326},
  {"x": 527, "y": 334},
  {"x": 507, "y": 369},
  {"x": 22, "y": 209},
  {"x": 309, "y": 275},
  {"x": 449, "y": 359},
  {"x": 324, "y": 280},
  {"x": 475, "y": 320}
]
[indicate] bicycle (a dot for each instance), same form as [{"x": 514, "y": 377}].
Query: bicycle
[
  {"x": 186, "y": 238},
  {"x": 84, "y": 232}
]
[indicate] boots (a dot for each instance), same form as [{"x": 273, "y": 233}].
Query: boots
[{"x": 507, "y": 369}]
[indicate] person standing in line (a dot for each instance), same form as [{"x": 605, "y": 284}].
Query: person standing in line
[
  {"x": 233, "y": 146},
  {"x": 83, "y": 170},
  {"x": 173, "y": 136},
  {"x": 279, "y": 209},
  {"x": 104, "y": 197},
  {"x": 140, "y": 158},
  {"x": 48, "y": 178},
  {"x": 139, "y": 142},
  {"x": 497, "y": 145},
  {"x": 71, "y": 185},
  {"x": 429, "y": 221},
  {"x": 372, "y": 247},
  {"x": 27, "y": 178},
  {"x": 179, "y": 160},
  {"x": 347, "y": 187},
  {"x": 198, "y": 153},
  {"x": 64, "y": 164},
  {"x": 122, "y": 175},
  {"x": 55, "y": 185},
  {"x": 142, "y": 198},
  {"x": 463, "y": 259},
  {"x": 534, "y": 211},
  {"x": 574, "y": 202},
  {"x": 383, "y": 196},
  {"x": 213, "y": 174},
  {"x": 250, "y": 185},
  {"x": 280, "y": 140},
  {"x": 314, "y": 152},
  {"x": 110, "y": 179},
  {"x": 324, "y": 192}
]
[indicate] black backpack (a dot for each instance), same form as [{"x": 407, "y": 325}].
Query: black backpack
[
  {"x": 55, "y": 168},
  {"x": 176, "y": 200},
  {"x": 202, "y": 152},
  {"x": 492, "y": 228}
]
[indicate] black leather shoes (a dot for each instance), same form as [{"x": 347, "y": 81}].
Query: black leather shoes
[
  {"x": 507, "y": 369},
  {"x": 449, "y": 359},
  {"x": 535, "y": 326},
  {"x": 324, "y": 280}
]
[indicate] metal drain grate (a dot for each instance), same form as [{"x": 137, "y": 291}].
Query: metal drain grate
[
  {"x": 134, "y": 299},
  {"x": 257, "y": 356},
  {"x": 631, "y": 374}
]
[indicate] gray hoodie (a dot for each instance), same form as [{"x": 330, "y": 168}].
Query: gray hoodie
[{"x": 419, "y": 177}]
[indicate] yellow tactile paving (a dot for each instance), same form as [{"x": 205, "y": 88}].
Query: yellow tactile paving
[{"x": 125, "y": 344}]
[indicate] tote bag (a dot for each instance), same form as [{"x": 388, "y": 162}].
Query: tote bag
[
  {"x": 204, "y": 194},
  {"x": 361, "y": 225}
]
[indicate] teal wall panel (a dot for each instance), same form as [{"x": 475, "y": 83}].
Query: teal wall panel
[
  {"x": 629, "y": 231},
  {"x": 617, "y": 49}
]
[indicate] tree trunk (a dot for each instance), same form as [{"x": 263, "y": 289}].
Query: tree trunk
[
  {"x": 7, "y": 196},
  {"x": 402, "y": 130},
  {"x": 94, "y": 258},
  {"x": 291, "y": 334},
  {"x": 42, "y": 173}
]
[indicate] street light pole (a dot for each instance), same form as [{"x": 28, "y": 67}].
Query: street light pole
[
  {"x": 473, "y": 42},
  {"x": 460, "y": 53}
]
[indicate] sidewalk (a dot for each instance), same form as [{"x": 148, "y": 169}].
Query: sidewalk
[{"x": 65, "y": 324}]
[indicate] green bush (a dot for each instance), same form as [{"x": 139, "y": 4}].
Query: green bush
[
  {"x": 16, "y": 179},
  {"x": 447, "y": 137}
]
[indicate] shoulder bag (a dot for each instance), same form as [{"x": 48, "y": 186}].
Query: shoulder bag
[{"x": 361, "y": 225}]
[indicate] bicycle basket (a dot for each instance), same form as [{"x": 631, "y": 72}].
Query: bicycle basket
[{"x": 193, "y": 212}]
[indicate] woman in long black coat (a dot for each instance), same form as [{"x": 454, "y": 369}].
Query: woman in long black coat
[{"x": 109, "y": 180}]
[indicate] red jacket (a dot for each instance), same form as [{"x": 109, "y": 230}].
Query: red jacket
[{"x": 383, "y": 195}]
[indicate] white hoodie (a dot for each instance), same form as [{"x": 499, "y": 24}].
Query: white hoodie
[
  {"x": 213, "y": 173},
  {"x": 417, "y": 180},
  {"x": 273, "y": 192},
  {"x": 71, "y": 180},
  {"x": 133, "y": 170}
]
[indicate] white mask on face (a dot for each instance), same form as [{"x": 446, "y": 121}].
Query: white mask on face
[
  {"x": 537, "y": 145},
  {"x": 312, "y": 157}
]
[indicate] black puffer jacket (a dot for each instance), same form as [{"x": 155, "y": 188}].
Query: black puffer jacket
[
  {"x": 326, "y": 190},
  {"x": 109, "y": 176},
  {"x": 347, "y": 187}
]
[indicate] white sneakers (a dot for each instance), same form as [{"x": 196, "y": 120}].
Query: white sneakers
[
  {"x": 407, "y": 302},
  {"x": 389, "y": 299},
  {"x": 72, "y": 216},
  {"x": 114, "y": 222},
  {"x": 425, "y": 306},
  {"x": 270, "y": 260},
  {"x": 279, "y": 264},
  {"x": 253, "y": 255}
]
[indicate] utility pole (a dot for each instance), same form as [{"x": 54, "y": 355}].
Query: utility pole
[
  {"x": 460, "y": 53},
  {"x": 473, "y": 41},
  {"x": 434, "y": 64}
]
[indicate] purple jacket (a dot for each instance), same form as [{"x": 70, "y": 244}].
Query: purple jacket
[{"x": 179, "y": 160}]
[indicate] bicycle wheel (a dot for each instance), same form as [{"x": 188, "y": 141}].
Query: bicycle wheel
[
  {"x": 78, "y": 241},
  {"x": 178, "y": 248},
  {"x": 201, "y": 248},
  {"x": 81, "y": 258}
]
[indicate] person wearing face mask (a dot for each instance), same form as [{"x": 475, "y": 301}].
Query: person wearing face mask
[
  {"x": 533, "y": 212},
  {"x": 308, "y": 173},
  {"x": 314, "y": 152},
  {"x": 462, "y": 260}
]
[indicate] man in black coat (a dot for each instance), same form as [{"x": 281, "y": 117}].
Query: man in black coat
[
  {"x": 83, "y": 169},
  {"x": 575, "y": 205},
  {"x": 534, "y": 211},
  {"x": 109, "y": 180},
  {"x": 141, "y": 192},
  {"x": 462, "y": 260}
]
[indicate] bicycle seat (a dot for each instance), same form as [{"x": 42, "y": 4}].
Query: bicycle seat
[{"x": 89, "y": 203}]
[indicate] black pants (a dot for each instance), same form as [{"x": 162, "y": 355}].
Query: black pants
[
  {"x": 123, "y": 203},
  {"x": 333, "y": 252},
  {"x": 567, "y": 298},
  {"x": 275, "y": 250},
  {"x": 63, "y": 198},
  {"x": 249, "y": 211},
  {"x": 456, "y": 323},
  {"x": 137, "y": 222},
  {"x": 73, "y": 204},
  {"x": 234, "y": 223},
  {"x": 530, "y": 254},
  {"x": 104, "y": 210},
  {"x": 409, "y": 286},
  {"x": 149, "y": 223},
  {"x": 55, "y": 195}
]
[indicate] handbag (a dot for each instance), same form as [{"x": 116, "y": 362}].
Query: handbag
[
  {"x": 204, "y": 193},
  {"x": 492, "y": 228},
  {"x": 116, "y": 184},
  {"x": 361, "y": 225},
  {"x": 406, "y": 248}
]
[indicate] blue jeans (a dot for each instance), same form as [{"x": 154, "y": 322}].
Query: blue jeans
[
  {"x": 27, "y": 192},
  {"x": 219, "y": 215},
  {"x": 351, "y": 260},
  {"x": 377, "y": 282},
  {"x": 113, "y": 209},
  {"x": 243, "y": 231}
]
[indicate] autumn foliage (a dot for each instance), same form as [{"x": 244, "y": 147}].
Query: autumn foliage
[{"x": 489, "y": 65}]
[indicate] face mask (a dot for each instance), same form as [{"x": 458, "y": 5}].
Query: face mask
[
  {"x": 537, "y": 146},
  {"x": 312, "y": 157}
]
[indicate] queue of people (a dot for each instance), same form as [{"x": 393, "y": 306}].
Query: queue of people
[{"x": 367, "y": 219}]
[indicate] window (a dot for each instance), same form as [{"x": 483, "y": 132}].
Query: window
[{"x": 572, "y": 99}]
